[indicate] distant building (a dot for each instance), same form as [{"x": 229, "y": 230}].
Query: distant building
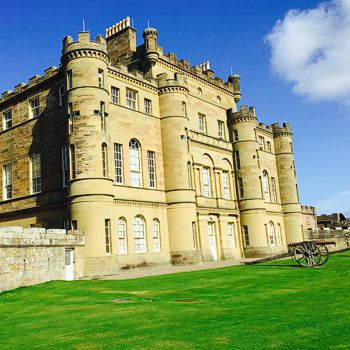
[
  {"x": 309, "y": 217},
  {"x": 333, "y": 221},
  {"x": 146, "y": 155}
]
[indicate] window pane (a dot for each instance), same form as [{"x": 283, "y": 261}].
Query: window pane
[
  {"x": 151, "y": 169},
  {"x": 206, "y": 182},
  {"x": 135, "y": 163},
  {"x": 139, "y": 235},
  {"x": 122, "y": 236},
  {"x": 156, "y": 238},
  {"x": 118, "y": 163},
  {"x": 36, "y": 173}
]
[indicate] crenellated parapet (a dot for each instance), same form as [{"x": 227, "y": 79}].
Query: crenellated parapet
[
  {"x": 282, "y": 131},
  {"x": 244, "y": 115},
  {"x": 170, "y": 85},
  {"x": 84, "y": 47},
  {"x": 32, "y": 82},
  {"x": 204, "y": 72}
]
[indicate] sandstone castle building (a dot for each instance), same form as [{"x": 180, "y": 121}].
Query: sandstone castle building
[{"x": 146, "y": 155}]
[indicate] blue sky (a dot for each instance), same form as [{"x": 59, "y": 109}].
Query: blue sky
[{"x": 227, "y": 33}]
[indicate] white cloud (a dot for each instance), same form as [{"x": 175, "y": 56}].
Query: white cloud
[
  {"x": 338, "y": 203},
  {"x": 311, "y": 49}
]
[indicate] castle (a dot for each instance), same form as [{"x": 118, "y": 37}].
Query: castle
[{"x": 146, "y": 155}]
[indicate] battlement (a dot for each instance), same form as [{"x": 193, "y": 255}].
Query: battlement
[
  {"x": 244, "y": 114},
  {"x": 284, "y": 130},
  {"x": 308, "y": 209},
  {"x": 118, "y": 27},
  {"x": 32, "y": 81},
  {"x": 205, "y": 72},
  {"x": 164, "y": 80},
  {"x": 84, "y": 42},
  {"x": 265, "y": 127}
]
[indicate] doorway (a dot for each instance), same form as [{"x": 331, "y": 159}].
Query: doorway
[
  {"x": 69, "y": 264},
  {"x": 212, "y": 240}
]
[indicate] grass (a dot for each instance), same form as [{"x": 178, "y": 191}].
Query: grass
[{"x": 267, "y": 306}]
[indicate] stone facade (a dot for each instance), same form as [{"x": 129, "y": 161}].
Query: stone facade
[
  {"x": 309, "y": 217},
  {"x": 35, "y": 255},
  {"x": 148, "y": 156}
]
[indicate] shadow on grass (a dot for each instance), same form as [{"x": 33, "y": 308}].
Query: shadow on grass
[{"x": 277, "y": 265}]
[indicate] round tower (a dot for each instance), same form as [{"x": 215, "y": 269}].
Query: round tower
[
  {"x": 288, "y": 182},
  {"x": 180, "y": 194},
  {"x": 150, "y": 40},
  {"x": 85, "y": 65},
  {"x": 251, "y": 203}
]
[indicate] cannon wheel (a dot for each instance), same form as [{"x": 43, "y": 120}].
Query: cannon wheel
[
  {"x": 324, "y": 254},
  {"x": 307, "y": 254}
]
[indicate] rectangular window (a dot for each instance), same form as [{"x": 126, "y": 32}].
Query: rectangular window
[
  {"x": 60, "y": 95},
  {"x": 221, "y": 129},
  {"x": 268, "y": 143},
  {"x": 103, "y": 116},
  {"x": 72, "y": 162},
  {"x": 115, "y": 93},
  {"x": 235, "y": 135},
  {"x": 151, "y": 169},
  {"x": 118, "y": 163},
  {"x": 7, "y": 181},
  {"x": 184, "y": 109},
  {"x": 35, "y": 173},
  {"x": 246, "y": 235},
  {"x": 34, "y": 105},
  {"x": 104, "y": 160},
  {"x": 237, "y": 160},
  {"x": 240, "y": 187},
  {"x": 231, "y": 235},
  {"x": 189, "y": 175},
  {"x": 7, "y": 119},
  {"x": 100, "y": 74},
  {"x": 108, "y": 235},
  {"x": 65, "y": 224},
  {"x": 194, "y": 235},
  {"x": 273, "y": 188},
  {"x": 148, "y": 106},
  {"x": 70, "y": 118},
  {"x": 206, "y": 182},
  {"x": 74, "y": 225},
  {"x": 202, "y": 123},
  {"x": 64, "y": 166},
  {"x": 131, "y": 99},
  {"x": 69, "y": 79},
  {"x": 122, "y": 236},
  {"x": 261, "y": 142},
  {"x": 226, "y": 185}
]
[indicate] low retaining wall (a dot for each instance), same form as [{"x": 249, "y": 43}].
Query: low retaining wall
[
  {"x": 35, "y": 255},
  {"x": 340, "y": 237}
]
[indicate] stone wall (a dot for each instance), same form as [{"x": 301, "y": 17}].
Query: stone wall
[
  {"x": 340, "y": 237},
  {"x": 35, "y": 255}
]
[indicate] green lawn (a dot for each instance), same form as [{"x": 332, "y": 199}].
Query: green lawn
[{"x": 266, "y": 306}]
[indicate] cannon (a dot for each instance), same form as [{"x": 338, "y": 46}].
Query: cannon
[
  {"x": 306, "y": 253},
  {"x": 310, "y": 253}
]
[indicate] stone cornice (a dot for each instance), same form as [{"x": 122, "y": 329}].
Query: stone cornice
[
  {"x": 198, "y": 137},
  {"x": 172, "y": 89},
  {"x": 85, "y": 53},
  {"x": 131, "y": 80}
]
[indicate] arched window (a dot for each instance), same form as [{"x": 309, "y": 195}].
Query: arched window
[
  {"x": 73, "y": 173},
  {"x": 123, "y": 248},
  {"x": 135, "y": 163},
  {"x": 139, "y": 235},
  {"x": 155, "y": 235},
  {"x": 279, "y": 235},
  {"x": 218, "y": 99},
  {"x": 104, "y": 160},
  {"x": 199, "y": 92},
  {"x": 272, "y": 233},
  {"x": 266, "y": 187}
]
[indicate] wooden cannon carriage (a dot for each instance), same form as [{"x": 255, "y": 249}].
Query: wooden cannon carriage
[{"x": 306, "y": 253}]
